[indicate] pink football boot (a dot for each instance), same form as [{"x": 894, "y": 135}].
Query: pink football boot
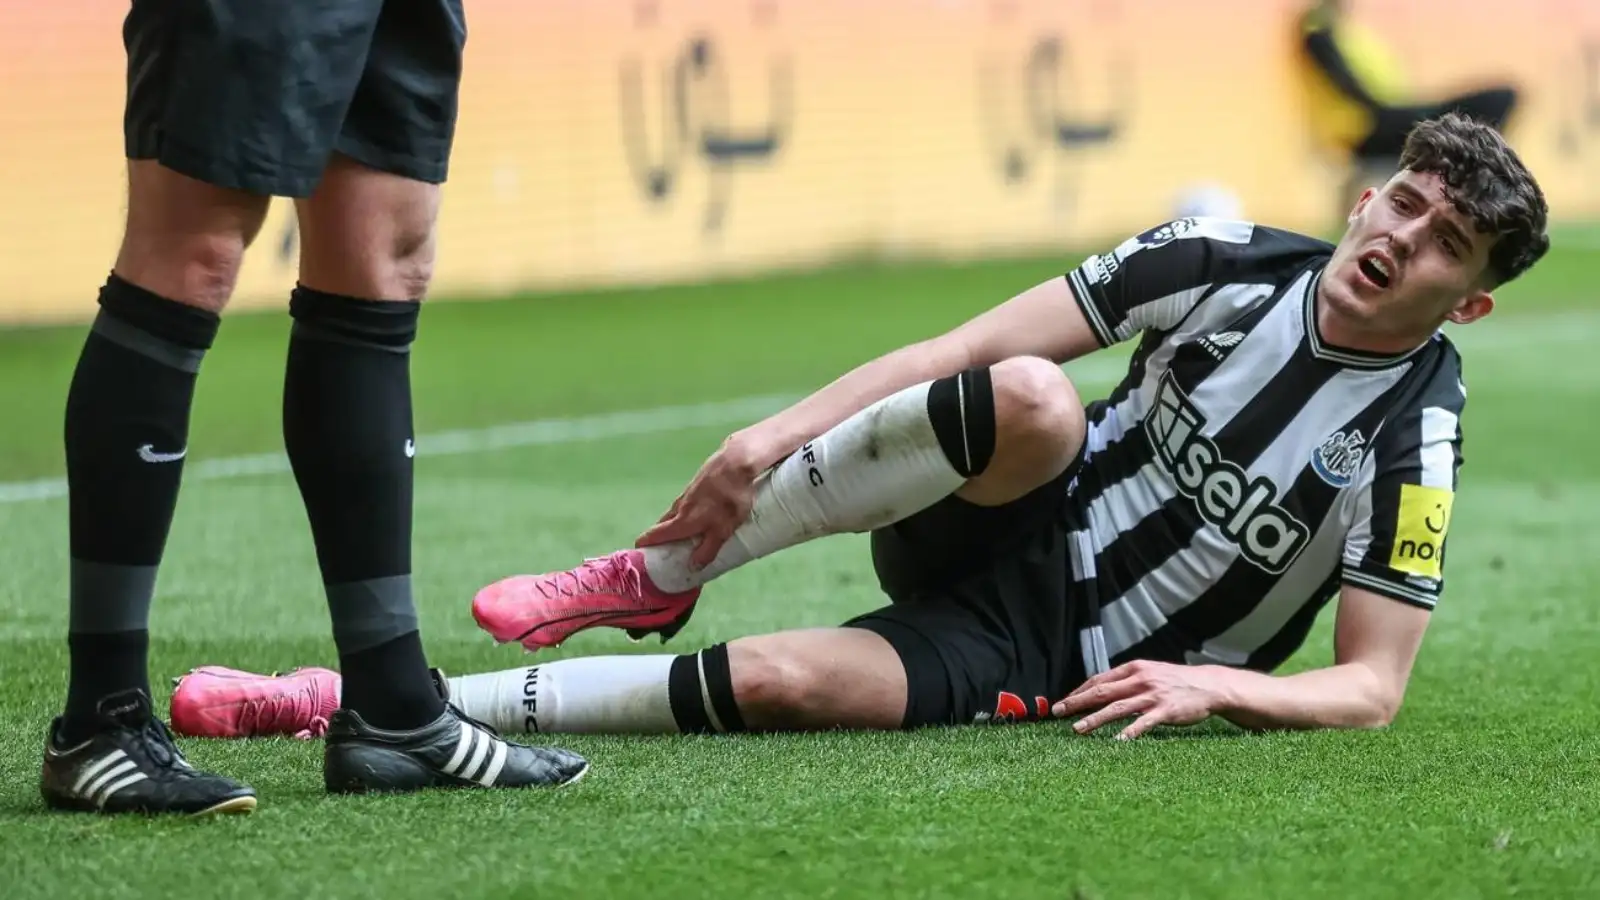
[
  {"x": 218, "y": 702},
  {"x": 615, "y": 591}
]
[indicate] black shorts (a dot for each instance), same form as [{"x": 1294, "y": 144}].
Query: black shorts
[
  {"x": 985, "y": 614},
  {"x": 255, "y": 95}
]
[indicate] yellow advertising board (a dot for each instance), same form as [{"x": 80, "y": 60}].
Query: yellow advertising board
[{"x": 613, "y": 141}]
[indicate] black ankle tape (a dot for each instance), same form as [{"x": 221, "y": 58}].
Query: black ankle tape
[
  {"x": 687, "y": 693},
  {"x": 387, "y": 324},
  {"x": 189, "y": 327},
  {"x": 961, "y": 408}
]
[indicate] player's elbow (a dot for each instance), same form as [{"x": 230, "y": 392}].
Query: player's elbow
[
  {"x": 1375, "y": 716},
  {"x": 1387, "y": 709},
  {"x": 1382, "y": 699}
]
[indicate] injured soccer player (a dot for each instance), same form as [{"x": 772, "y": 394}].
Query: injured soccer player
[{"x": 1287, "y": 436}]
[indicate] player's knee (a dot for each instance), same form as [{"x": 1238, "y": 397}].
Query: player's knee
[
  {"x": 1037, "y": 410},
  {"x": 773, "y": 689},
  {"x": 368, "y": 234},
  {"x": 195, "y": 269},
  {"x": 185, "y": 239},
  {"x": 411, "y": 261},
  {"x": 392, "y": 263},
  {"x": 400, "y": 254}
]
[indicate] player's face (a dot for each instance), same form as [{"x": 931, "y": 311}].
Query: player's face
[{"x": 1409, "y": 262}]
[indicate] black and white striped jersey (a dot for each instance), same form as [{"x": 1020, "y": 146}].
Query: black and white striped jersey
[{"x": 1244, "y": 468}]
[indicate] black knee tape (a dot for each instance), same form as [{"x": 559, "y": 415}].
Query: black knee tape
[
  {"x": 689, "y": 693},
  {"x": 961, "y": 408}
]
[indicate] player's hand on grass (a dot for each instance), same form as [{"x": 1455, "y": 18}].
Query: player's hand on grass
[
  {"x": 1150, "y": 693},
  {"x": 712, "y": 507}
]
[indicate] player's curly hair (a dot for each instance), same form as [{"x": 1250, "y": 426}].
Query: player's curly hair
[{"x": 1488, "y": 183}]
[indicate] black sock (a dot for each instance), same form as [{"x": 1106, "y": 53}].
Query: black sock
[
  {"x": 347, "y": 426},
  {"x": 379, "y": 683},
  {"x": 688, "y": 694},
  {"x": 961, "y": 410},
  {"x": 127, "y": 433}
]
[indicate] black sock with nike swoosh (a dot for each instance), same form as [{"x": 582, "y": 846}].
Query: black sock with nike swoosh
[
  {"x": 127, "y": 434},
  {"x": 347, "y": 424}
]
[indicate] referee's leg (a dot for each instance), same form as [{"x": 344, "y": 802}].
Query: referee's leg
[
  {"x": 193, "y": 206},
  {"x": 127, "y": 416},
  {"x": 366, "y": 260}
]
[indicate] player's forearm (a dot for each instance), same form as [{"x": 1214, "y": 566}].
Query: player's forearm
[
  {"x": 773, "y": 438},
  {"x": 1345, "y": 696}
]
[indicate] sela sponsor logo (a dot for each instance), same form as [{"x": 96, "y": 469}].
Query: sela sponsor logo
[
  {"x": 1337, "y": 460},
  {"x": 1220, "y": 343},
  {"x": 1242, "y": 508},
  {"x": 530, "y": 700},
  {"x": 1419, "y": 532}
]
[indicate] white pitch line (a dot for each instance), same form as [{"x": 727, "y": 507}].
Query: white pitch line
[
  {"x": 1101, "y": 370},
  {"x": 627, "y": 423}
]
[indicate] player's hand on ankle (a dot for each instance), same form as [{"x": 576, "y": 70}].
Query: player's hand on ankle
[{"x": 712, "y": 507}]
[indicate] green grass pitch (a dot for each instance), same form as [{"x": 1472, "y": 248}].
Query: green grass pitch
[{"x": 1484, "y": 787}]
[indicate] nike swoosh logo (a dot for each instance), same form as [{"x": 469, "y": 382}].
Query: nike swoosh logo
[
  {"x": 411, "y": 448},
  {"x": 149, "y": 454}
]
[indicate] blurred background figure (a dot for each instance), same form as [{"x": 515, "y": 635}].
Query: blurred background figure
[{"x": 1360, "y": 104}]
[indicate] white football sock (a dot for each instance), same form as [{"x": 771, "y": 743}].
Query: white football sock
[
  {"x": 588, "y": 695},
  {"x": 873, "y": 469},
  {"x": 608, "y": 695}
]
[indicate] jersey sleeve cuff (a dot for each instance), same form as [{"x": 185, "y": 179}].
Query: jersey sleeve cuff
[
  {"x": 1092, "y": 304},
  {"x": 1388, "y": 585}
]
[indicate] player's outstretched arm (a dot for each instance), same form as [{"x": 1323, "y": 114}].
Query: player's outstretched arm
[
  {"x": 1375, "y": 643},
  {"x": 1376, "y": 640}
]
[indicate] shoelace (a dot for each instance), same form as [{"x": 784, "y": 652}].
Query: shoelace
[
  {"x": 162, "y": 750},
  {"x": 469, "y": 722},
  {"x": 607, "y": 574},
  {"x": 279, "y": 712}
]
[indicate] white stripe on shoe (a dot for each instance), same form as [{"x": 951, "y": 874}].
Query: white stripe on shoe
[
  {"x": 480, "y": 752},
  {"x": 479, "y": 756},
  {"x": 496, "y": 763},
  {"x": 108, "y": 776},
  {"x": 463, "y": 745},
  {"x": 91, "y": 771},
  {"x": 111, "y": 790}
]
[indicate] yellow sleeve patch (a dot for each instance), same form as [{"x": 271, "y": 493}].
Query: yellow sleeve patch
[{"x": 1420, "y": 528}]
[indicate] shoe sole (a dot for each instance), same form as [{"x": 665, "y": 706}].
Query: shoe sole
[
  {"x": 236, "y": 806},
  {"x": 231, "y": 806}
]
